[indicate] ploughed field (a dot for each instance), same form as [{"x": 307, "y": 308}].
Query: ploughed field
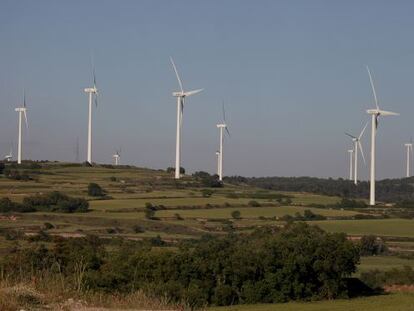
[{"x": 186, "y": 209}]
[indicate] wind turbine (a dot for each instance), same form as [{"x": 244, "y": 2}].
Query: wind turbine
[
  {"x": 93, "y": 94},
  {"x": 21, "y": 111},
  {"x": 351, "y": 155},
  {"x": 375, "y": 114},
  {"x": 222, "y": 126},
  {"x": 409, "y": 147},
  {"x": 357, "y": 145},
  {"x": 117, "y": 157},
  {"x": 181, "y": 95},
  {"x": 9, "y": 157}
]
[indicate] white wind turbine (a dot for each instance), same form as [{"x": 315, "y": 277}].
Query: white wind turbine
[
  {"x": 351, "y": 155},
  {"x": 357, "y": 145},
  {"x": 181, "y": 95},
  {"x": 409, "y": 147},
  {"x": 222, "y": 126},
  {"x": 375, "y": 114},
  {"x": 21, "y": 111},
  {"x": 93, "y": 92},
  {"x": 9, "y": 157},
  {"x": 117, "y": 157}
]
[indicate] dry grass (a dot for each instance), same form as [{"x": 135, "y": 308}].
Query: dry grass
[{"x": 51, "y": 295}]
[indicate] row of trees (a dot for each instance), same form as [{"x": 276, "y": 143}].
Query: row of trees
[
  {"x": 51, "y": 202},
  {"x": 387, "y": 190},
  {"x": 297, "y": 262}
]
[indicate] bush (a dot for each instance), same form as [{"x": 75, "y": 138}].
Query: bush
[
  {"x": 235, "y": 214},
  {"x": 208, "y": 180},
  {"x": 48, "y": 226},
  {"x": 94, "y": 190},
  {"x": 371, "y": 245},
  {"x": 2, "y": 167},
  {"x": 206, "y": 193},
  {"x": 55, "y": 202},
  {"x": 254, "y": 203},
  {"x": 138, "y": 229},
  {"x": 172, "y": 170},
  {"x": 298, "y": 262}
]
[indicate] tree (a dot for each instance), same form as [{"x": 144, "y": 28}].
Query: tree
[
  {"x": 172, "y": 170},
  {"x": 2, "y": 167},
  {"x": 94, "y": 190}
]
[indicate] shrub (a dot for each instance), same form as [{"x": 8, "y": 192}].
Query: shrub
[
  {"x": 94, "y": 190},
  {"x": 254, "y": 203},
  {"x": 371, "y": 245},
  {"x": 138, "y": 229},
  {"x": 48, "y": 226},
  {"x": 206, "y": 193},
  {"x": 55, "y": 202},
  {"x": 235, "y": 214},
  {"x": 2, "y": 167}
]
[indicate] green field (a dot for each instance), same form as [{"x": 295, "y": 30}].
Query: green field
[
  {"x": 383, "y": 263},
  {"x": 381, "y": 227},
  {"x": 392, "y": 302}
]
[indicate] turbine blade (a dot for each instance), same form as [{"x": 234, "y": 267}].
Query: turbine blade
[
  {"x": 176, "y": 73},
  {"x": 352, "y": 136},
  {"x": 227, "y": 130},
  {"x": 388, "y": 113},
  {"x": 25, "y": 118},
  {"x": 96, "y": 99},
  {"x": 181, "y": 112},
  {"x": 224, "y": 113},
  {"x": 24, "y": 99},
  {"x": 362, "y": 132},
  {"x": 362, "y": 151},
  {"x": 373, "y": 88},
  {"x": 189, "y": 93},
  {"x": 376, "y": 120}
]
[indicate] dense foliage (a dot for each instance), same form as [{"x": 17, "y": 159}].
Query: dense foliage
[
  {"x": 298, "y": 262},
  {"x": 387, "y": 190},
  {"x": 94, "y": 190},
  {"x": 51, "y": 202},
  {"x": 208, "y": 180}
]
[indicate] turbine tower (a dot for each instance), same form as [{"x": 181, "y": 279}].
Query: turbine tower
[
  {"x": 222, "y": 126},
  {"x": 181, "y": 95},
  {"x": 351, "y": 155},
  {"x": 117, "y": 157},
  {"x": 409, "y": 147},
  {"x": 93, "y": 95},
  {"x": 21, "y": 111},
  {"x": 375, "y": 114},
  {"x": 218, "y": 162},
  {"x": 357, "y": 145}
]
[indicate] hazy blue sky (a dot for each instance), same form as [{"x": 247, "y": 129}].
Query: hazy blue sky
[{"x": 292, "y": 75}]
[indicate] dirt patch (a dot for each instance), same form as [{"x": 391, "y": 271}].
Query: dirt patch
[{"x": 399, "y": 288}]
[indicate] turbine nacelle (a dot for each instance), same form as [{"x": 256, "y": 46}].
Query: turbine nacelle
[
  {"x": 222, "y": 125},
  {"x": 91, "y": 90},
  {"x": 379, "y": 112},
  {"x": 186, "y": 94}
]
